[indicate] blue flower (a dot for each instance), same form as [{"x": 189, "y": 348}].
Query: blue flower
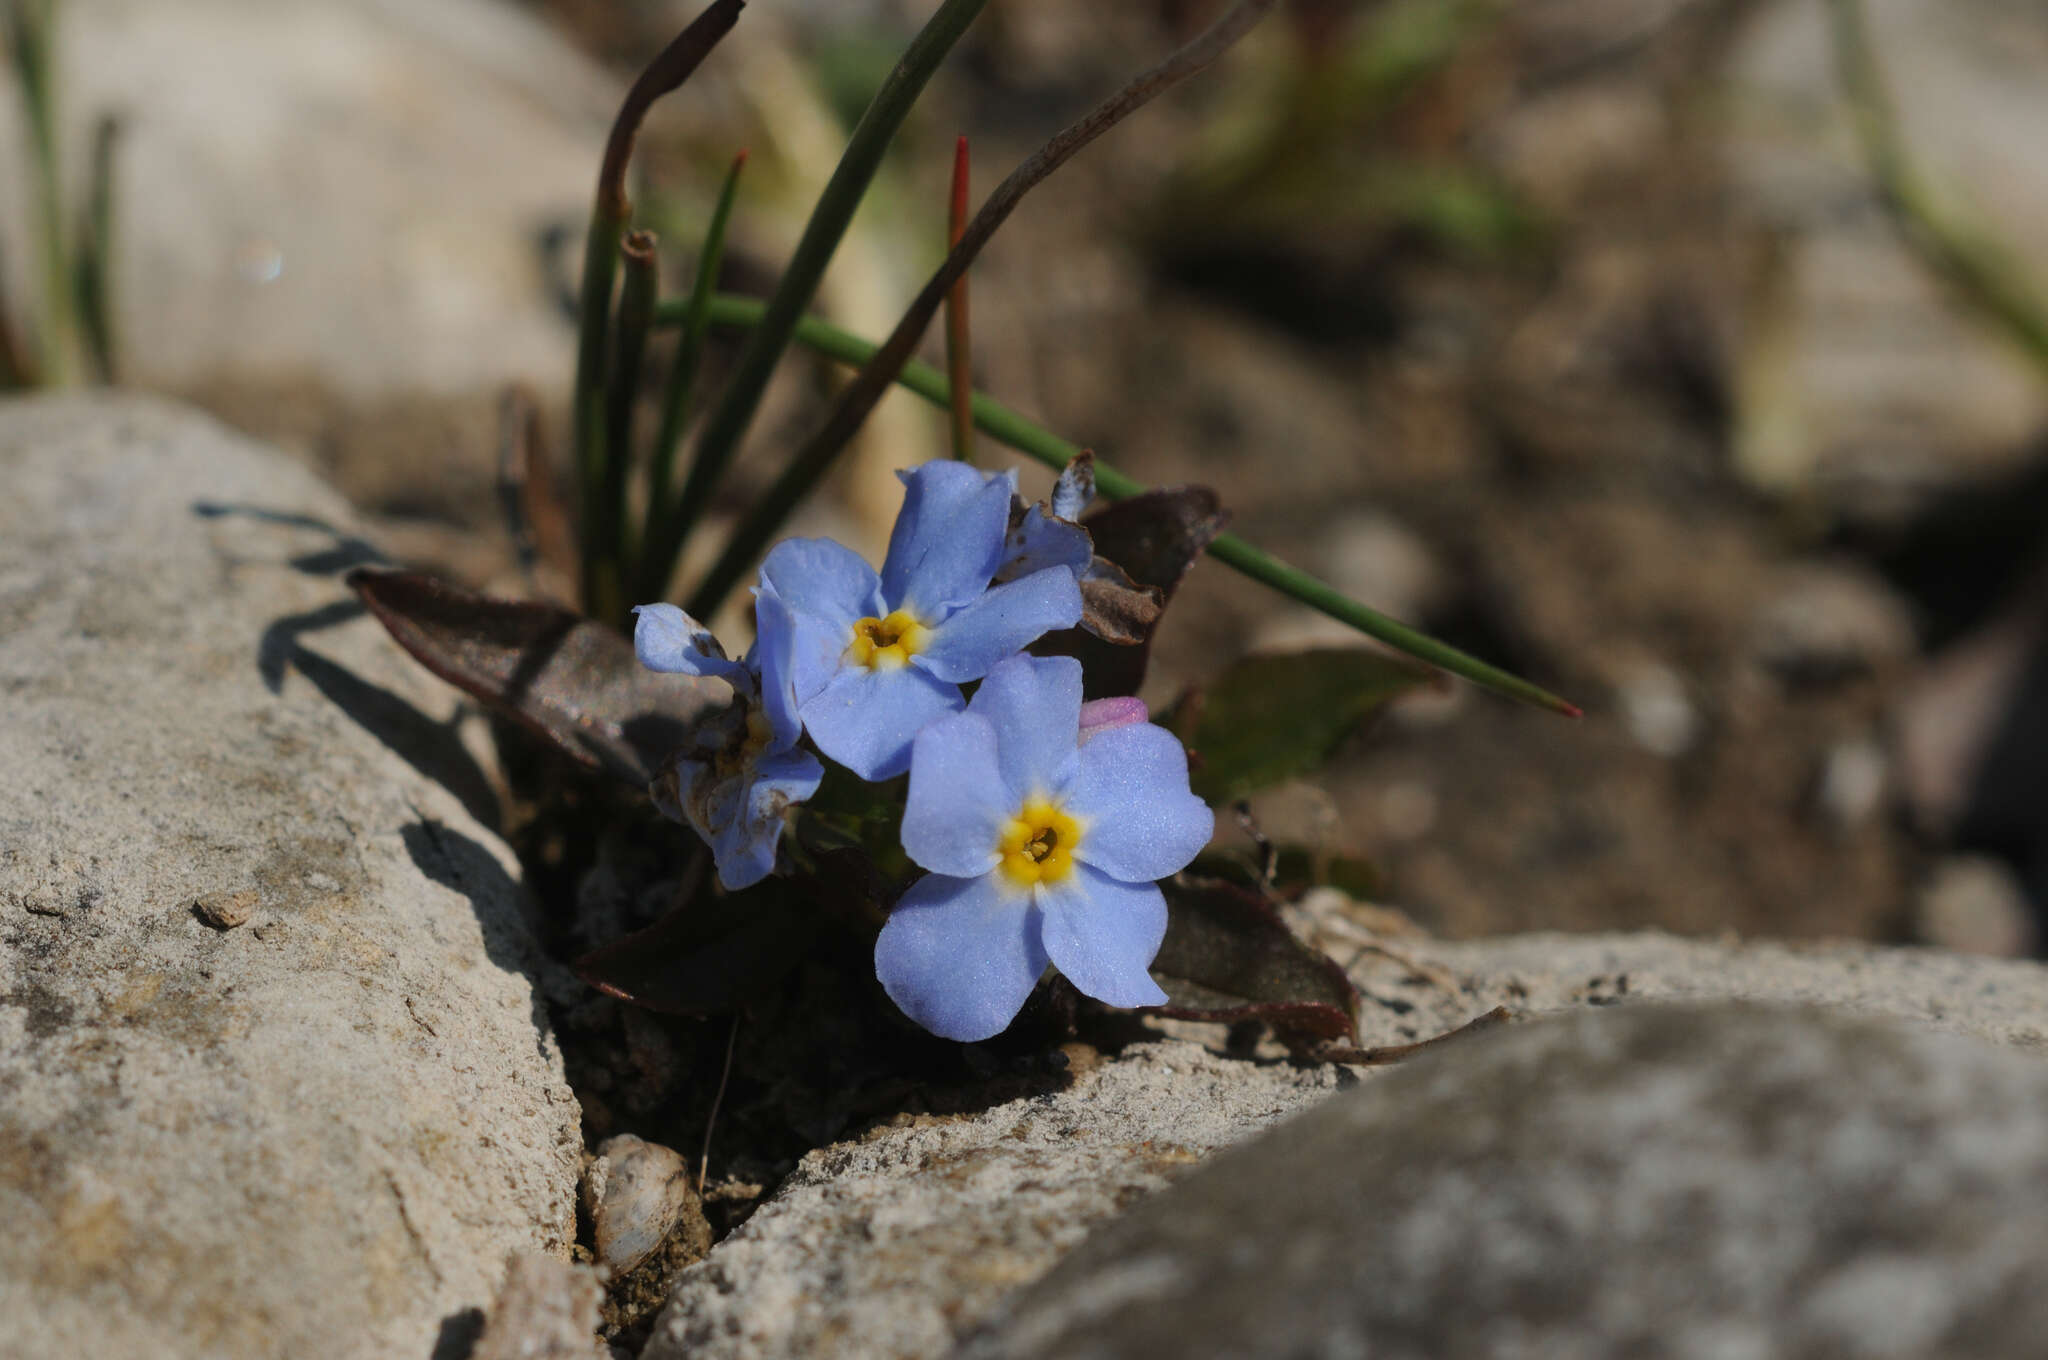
[
  {"x": 1041, "y": 849},
  {"x": 741, "y": 771},
  {"x": 878, "y": 657}
]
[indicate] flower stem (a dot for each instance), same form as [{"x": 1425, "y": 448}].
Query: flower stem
[
  {"x": 651, "y": 581},
  {"x": 1006, "y": 426},
  {"x": 959, "y": 353},
  {"x": 95, "y": 253},
  {"x": 600, "y": 269},
  {"x": 17, "y": 368},
  {"x": 609, "y": 215},
  {"x": 32, "y": 39},
  {"x": 606, "y": 596},
  {"x": 729, "y": 419}
]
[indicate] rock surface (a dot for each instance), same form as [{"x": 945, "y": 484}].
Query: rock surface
[
  {"x": 320, "y": 1131},
  {"x": 899, "y": 1243},
  {"x": 351, "y": 192},
  {"x": 546, "y": 1310},
  {"x": 891, "y": 1244},
  {"x": 1656, "y": 1180}
]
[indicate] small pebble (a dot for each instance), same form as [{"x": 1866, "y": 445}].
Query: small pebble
[
  {"x": 224, "y": 910},
  {"x": 1657, "y": 710},
  {"x": 1853, "y": 779},
  {"x": 1974, "y": 904},
  {"x": 636, "y": 1192}
]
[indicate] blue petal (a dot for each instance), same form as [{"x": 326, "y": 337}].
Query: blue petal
[
  {"x": 1040, "y": 541},
  {"x": 1034, "y": 705},
  {"x": 953, "y": 818},
  {"x": 744, "y": 846},
  {"x": 948, "y": 538},
  {"x": 1001, "y": 623},
  {"x": 774, "y": 657},
  {"x": 823, "y": 578},
  {"x": 960, "y": 955},
  {"x": 781, "y": 779},
  {"x": 1130, "y": 788},
  {"x": 817, "y": 656},
  {"x": 668, "y": 640},
  {"x": 1103, "y": 934},
  {"x": 866, "y": 719}
]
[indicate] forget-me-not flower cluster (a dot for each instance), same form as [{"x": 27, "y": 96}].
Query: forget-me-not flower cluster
[{"x": 1044, "y": 823}]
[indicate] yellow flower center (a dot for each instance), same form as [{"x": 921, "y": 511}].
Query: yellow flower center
[
  {"x": 888, "y": 644},
  {"x": 1038, "y": 844}
]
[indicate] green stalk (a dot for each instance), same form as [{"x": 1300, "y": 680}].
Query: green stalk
[
  {"x": 96, "y": 254},
  {"x": 17, "y": 368},
  {"x": 34, "y": 22},
  {"x": 1006, "y": 426},
  {"x": 610, "y": 213},
  {"x": 587, "y": 405},
  {"x": 729, "y": 420},
  {"x": 651, "y": 580},
  {"x": 607, "y": 593}
]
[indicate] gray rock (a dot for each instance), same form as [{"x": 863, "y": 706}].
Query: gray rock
[
  {"x": 1824, "y": 622},
  {"x": 1649, "y": 1181},
  {"x": 319, "y": 1133},
  {"x": 899, "y": 1243},
  {"x": 546, "y": 1310},
  {"x": 349, "y": 193},
  {"x": 1975, "y": 904},
  {"x": 891, "y": 1244},
  {"x": 1865, "y": 383}
]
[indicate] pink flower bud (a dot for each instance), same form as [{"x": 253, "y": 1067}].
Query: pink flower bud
[{"x": 1100, "y": 715}]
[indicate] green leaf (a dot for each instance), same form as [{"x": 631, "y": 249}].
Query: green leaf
[{"x": 1270, "y": 718}]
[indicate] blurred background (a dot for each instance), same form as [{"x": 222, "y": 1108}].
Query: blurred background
[{"x": 1578, "y": 332}]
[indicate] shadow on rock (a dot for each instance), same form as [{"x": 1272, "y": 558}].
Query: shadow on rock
[
  {"x": 279, "y": 645},
  {"x": 349, "y": 551},
  {"x": 430, "y": 747},
  {"x": 459, "y": 1334},
  {"x": 458, "y": 862}
]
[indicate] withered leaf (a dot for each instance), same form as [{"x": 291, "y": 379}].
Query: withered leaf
[
  {"x": 1115, "y": 608},
  {"x": 1151, "y": 540},
  {"x": 1228, "y": 956},
  {"x": 569, "y": 679}
]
